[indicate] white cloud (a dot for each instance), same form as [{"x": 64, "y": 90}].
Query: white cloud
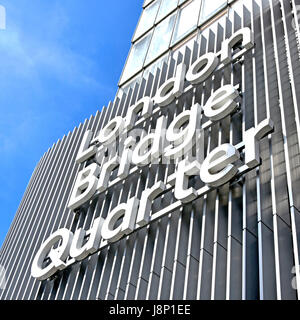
[{"x": 28, "y": 57}]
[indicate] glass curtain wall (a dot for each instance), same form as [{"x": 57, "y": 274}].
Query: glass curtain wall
[{"x": 163, "y": 24}]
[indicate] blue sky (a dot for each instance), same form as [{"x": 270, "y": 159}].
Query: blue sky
[{"x": 60, "y": 62}]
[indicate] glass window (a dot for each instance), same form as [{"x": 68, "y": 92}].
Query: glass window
[
  {"x": 146, "y": 2},
  {"x": 210, "y": 7},
  {"x": 187, "y": 20},
  {"x": 166, "y": 7},
  {"x": 147, "y": 19},
  {"x": 161, "y": 38},
  {"x": 157, "y": 64},
  {"x": 130, "y": 84},
  {"x": 136, "y": 57}
]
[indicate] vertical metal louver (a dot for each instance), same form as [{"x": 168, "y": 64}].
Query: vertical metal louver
[{"x": 240, "y": 242}]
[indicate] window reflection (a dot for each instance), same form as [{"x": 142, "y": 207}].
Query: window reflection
[
  {"x": 166, "y": 7},
  {"x": 146, "y": 2},
  {"x": 157, "y": 64},
  {"x": 147, "y": 19},
  {"x": 187, "y": 20},
  {"x": 161, "y": 38},
  {"x": 210, "y": 7},
  {"x": 136, "y": 57},
  {"x": 157, "y": 20}
]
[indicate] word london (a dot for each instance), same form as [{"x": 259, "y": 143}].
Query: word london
[{"x": 183, "y": 138}]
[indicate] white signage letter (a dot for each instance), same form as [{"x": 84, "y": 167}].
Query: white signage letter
[
  {"x": 244, "y": 35},
  {"x": 78, "y": 249},
  {"x": 126, "y": 210},
  {"x": 182, "y": 180},
  {"x": 111, "y": 131},
  {"x": 106, "y": 171},
  {"x": 221, "y": 103},
  {"x": 57, "y": 256},
  {"x": 202, "y": 68},
  {"x": 85, "y": 151},
  {"x": 126, "y": 158},
  {"x": 172, "y": 88},
  {"x": 141, "y": 155},
  {"x": 251, "y": 138},
  {"x": 183, "y": 140},
  {"x": 85, "y": 186},
  {"x": 145, "y": 106},
  {"x": 217, "y": 169},
  {"x": 147, "y": 198}
]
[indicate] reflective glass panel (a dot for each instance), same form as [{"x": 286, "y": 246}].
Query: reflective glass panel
[
  {"x": 210, "y": 7},
  {"x": 136, "y": 57},
  {"x": 187, "y": 20},
  {"x": 166, "y": 7},
  {"x": 161, "y": 38},
  {"x": 157, "y": 64},
  {"x": 146, "y": 2},
  {"x": 147, "y": 19}
]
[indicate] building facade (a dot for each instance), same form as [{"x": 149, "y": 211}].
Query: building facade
[{"x": 218, "y": 219}]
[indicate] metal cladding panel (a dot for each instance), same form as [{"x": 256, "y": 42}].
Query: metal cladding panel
[{"x": 237, "y": 242}]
